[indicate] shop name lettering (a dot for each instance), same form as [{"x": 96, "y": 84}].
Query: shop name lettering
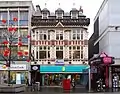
[{"x": 17, "y": 67}]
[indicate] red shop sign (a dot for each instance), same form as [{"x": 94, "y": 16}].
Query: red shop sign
[{"x": 107, "y": 60}]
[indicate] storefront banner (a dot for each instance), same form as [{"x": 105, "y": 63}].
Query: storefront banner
[
  {"x": 35, "y": 67},
  {"x": 18, "y": 67},
  {"x": 63, "y": 69},
  {"x": 107, "y": 60},
  {"x": 59, "y": 62},
  {"x": 15, "y": 67}
]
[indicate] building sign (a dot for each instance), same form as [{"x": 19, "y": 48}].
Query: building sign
[
  {"x": 107, "y": 60},
  {"x": 59, "y": 62},
  {"x": 35, "y": 67},
  {"x": 14, "y": 67},
  {"x": 18, "y": 67},
  {"x": 63, "y": 68}
]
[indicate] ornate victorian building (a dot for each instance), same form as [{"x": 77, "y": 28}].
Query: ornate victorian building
[{"x": 59, "y": 37}]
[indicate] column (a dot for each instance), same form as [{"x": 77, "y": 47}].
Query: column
[{"x": 110, "y": 77}]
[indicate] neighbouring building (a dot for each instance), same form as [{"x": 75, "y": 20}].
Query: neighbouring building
[
  {"x": 23, "y": 11},
  {"x": 106, "y": 36},
  {"x": 59, "y": 45}
]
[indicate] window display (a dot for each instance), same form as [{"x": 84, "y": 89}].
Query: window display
[{"x": 18, "y": 77}]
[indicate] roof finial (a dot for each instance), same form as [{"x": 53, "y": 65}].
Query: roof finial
[
  {"x": 81, "y": 10},
  {"x": 45, "y": 5},
  {"x": 73, "y": 4},
  {"x": 59, "y": 3}
]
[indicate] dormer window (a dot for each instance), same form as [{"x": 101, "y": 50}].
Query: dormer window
[
  {"x": 74, "y": 13},
  {"x": 44, "y": 15},
  {"x": 59, "y": 13}
]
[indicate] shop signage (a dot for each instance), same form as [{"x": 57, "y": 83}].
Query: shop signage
[
  {"x": 14, "y": 67},
  {"x": 18, "y": 67},
  {"x": 35, "y": 67},
  {"x": 59, "y": 62},
  {"x": 107, "y": 60},
  {"x": 115, "y": 69}
]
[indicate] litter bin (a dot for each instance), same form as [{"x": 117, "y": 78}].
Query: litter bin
[
  {"x": 66, "y": 84},
  {"x": 38, "y": 85}
]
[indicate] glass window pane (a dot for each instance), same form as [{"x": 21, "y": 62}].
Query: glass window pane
[
  {"x": 61, "y": 36},
  {"x": 3, "y": 15},
  {"x": 74, "y": 36},
  {"x": 81, "y": 36},
  {"x": 78, "y": 36},
  {"x": 61, "y": 47},
  {"x": 44, "y": 47},
  {"x": 57, "y": 48},
  {"x": 24, "y": 15},
  {"x": 74, "y": 47},
  {"x": 13, "y": 15},
  {"x": 78, "y": 47},
  {"x": 23, "y": 32},
  {"x": 57, "y": 36}
]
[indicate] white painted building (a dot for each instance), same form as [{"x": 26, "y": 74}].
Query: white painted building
[
  {"x": 60, "y": 36},
  {"x": 109, "y": 28}
]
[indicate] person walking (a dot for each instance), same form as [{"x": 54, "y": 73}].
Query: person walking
[{"x": 33, "y": 84}]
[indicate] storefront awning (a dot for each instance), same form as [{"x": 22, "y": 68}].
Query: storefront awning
[{"x": 63, "y": 69}]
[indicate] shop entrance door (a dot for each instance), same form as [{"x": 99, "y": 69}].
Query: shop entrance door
[{"x": 52, "y": 79}]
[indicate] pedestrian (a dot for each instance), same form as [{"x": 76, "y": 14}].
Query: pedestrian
[
  {"x": 33, "y": 84},
  {"x": 73, "y": 83}
]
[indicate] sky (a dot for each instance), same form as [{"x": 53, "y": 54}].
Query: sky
[{"x": 90, "y": 7}]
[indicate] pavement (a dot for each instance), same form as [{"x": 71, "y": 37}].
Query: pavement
[{"x": 57, "y": 90}]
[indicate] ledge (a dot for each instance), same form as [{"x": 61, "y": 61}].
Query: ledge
[{"x": 12, "y": 88}]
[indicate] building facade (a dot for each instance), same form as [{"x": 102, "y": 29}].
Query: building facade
[
  {"x": 59, "y": 43},
  {"x": 108, "y": 38},
  {"x": 22, "y": 10}
]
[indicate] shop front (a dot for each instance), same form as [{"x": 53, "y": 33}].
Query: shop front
[
  {"x": 115, "y": 76},
  {"x": 18, "y": 73},
  {"x": 53, "y": 75},
  {"x": 35, "y": 73},
  {"x": 102, "y": 62}
]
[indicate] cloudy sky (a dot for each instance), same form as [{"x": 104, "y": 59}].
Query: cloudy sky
[{"x": 90, "y": 7}]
